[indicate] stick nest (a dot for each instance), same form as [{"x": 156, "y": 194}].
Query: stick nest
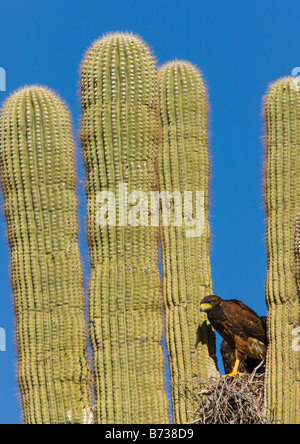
[{"x": 230, "y": 400}]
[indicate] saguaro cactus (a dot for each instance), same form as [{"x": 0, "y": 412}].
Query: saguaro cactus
[
  {"x": 297, "y": 255},
  {"x": 184, "y": 166},
  {"x": 120, "y": 141},
  {"x": 38, "y": 181},
  {"x": 282, "y": 200}
]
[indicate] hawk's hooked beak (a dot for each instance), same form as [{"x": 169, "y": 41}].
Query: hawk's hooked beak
[{"x": 205, "y": 307}]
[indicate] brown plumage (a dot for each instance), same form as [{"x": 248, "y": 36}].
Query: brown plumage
[
  {"x": 248, "y": 365},
  {"x": 239, "y": 325}
]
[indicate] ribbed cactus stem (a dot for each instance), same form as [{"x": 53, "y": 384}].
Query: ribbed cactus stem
[
  {"x": 297, "y": 254},
  {"x": 282, "y": 200},
  {"x": 120, "y": 142},
  {"x": 184, "y": 166},
  {"x": 37, "y": 169}
]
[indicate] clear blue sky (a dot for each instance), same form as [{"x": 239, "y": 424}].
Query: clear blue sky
[{"x": 241, "y": 46}]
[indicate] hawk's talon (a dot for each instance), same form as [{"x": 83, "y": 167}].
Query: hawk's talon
[{"x": 230, "y": 375}]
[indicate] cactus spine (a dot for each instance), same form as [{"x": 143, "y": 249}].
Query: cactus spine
[
  {"x": 37, "y": 168},
  {"x": 119, "y": 138},
  {"x": 184, "y": 166},
  {"x": 282, "y": 199}
]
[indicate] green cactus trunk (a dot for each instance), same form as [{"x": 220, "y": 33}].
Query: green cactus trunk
[
  {"x": 37, "y": 167},
  {"x": 119, "y": 139},
  {"x": 297, "y": 257},
  {"x": 184, "y": 166},
  {"x": 282, "y": 200}
]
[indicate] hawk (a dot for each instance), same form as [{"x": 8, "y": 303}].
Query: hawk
[{"x": 243, "y": 330}]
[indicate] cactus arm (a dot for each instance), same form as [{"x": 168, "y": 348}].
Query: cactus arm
[
  {"x": 282, "y": 200},
  {"x": 119, "y": 139},
  {"x": 184, "y": 166},
  {"x": 38, "y": 182}
]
